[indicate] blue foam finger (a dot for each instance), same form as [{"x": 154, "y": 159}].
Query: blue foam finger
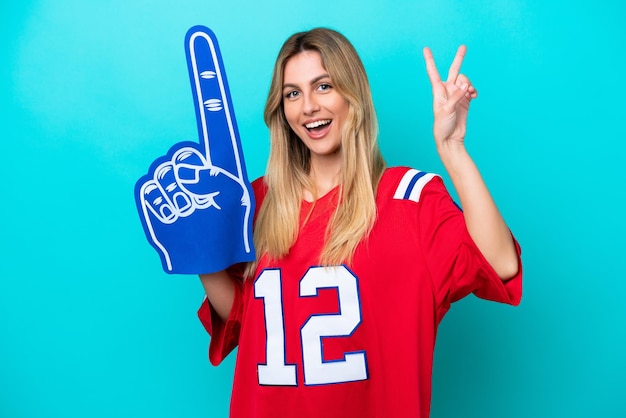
[{"x": 195, "y": 203}]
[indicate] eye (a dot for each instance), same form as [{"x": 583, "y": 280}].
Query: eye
[
  {"x": 291, "y": 94},
  {"x": 324, "y": 87}
]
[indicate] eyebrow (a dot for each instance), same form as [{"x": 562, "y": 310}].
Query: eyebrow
[{"x": 315, "y": 80}]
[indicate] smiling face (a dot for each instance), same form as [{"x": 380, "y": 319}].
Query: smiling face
[{"x": 314, "y": 109}]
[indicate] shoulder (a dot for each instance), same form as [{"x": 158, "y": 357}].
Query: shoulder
[
  {"x": 407, "y": 184},
  {"x": 259, "y": 185},
  {"x": 259, "y": 188}
]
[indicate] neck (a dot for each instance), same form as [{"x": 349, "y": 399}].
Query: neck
[{"x": 325, "y": 175}]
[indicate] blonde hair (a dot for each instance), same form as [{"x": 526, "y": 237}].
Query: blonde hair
[{"x": 287, "y": 175}]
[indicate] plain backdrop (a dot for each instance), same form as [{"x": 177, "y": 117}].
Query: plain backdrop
[{"x": 91, "y": 92}]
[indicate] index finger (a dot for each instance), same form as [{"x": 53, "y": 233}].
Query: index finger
[
  {"x": 217, "y": 126},
  {"x": 455, "y": 67},
  {"x": 431, "y": 68}
]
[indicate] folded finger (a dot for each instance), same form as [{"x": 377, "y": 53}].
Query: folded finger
[
  {"x": 462, "y": 81},
  {"x": 154, "y": 203},
  {"x": 165, "y": 177}
]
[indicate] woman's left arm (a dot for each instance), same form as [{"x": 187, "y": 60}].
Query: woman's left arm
[{"x": 451, "y": 100}]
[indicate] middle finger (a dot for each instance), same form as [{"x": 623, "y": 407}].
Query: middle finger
[{"x": 455, "y": 67}]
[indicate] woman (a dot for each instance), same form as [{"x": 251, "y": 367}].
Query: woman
[{"x": 356, "y": 264}]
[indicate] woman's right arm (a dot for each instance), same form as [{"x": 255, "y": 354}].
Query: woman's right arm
[{"x": 220, "y": 290}]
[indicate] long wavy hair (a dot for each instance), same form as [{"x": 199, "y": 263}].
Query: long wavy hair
[{"x": 287, "y": 174}]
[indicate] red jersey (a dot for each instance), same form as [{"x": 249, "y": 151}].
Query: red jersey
[{"x": 354, "y": 340}]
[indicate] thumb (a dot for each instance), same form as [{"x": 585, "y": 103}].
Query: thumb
[{"x": 455, "y": 97}]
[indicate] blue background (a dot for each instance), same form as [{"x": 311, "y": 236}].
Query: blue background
[{"x": 92, "y": 92}]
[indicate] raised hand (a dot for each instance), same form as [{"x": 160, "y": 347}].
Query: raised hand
[
  {"x": 451, "y": 99},
  {"x": 196, "y": 203}
]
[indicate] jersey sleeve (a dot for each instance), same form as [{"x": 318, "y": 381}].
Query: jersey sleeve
[
  {"x": 456, "y": 265},
  {"x": 224, "y": 335}
]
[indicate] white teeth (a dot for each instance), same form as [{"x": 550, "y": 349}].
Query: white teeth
[{"x": 317, "y": 123}]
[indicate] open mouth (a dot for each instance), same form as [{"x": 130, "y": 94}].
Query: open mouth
[{"x": 318, "y": 125}]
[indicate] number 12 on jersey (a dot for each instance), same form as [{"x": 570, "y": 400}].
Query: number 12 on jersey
[{"x": 275, "y": 372}]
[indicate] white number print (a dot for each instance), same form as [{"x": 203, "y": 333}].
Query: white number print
[{"x": 317, "y": 371}]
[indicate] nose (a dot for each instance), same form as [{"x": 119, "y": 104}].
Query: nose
[{"x": 310, "y": 104}]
